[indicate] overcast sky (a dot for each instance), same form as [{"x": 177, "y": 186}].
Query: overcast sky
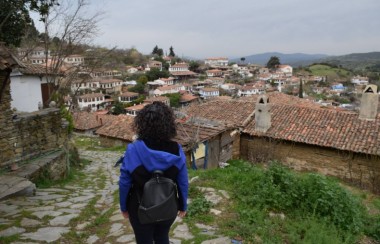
[{"x": 210, "y": 28}]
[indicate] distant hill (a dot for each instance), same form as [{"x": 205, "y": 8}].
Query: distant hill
[
  {"x": 284, "y": 58},
  {"x": 356, "y": 61}
]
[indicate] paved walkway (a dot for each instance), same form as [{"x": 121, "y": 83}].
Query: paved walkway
[{"x": 62, "y": 214}]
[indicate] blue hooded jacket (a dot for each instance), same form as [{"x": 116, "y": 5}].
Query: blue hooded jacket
[{"x": 138, "y": 154}]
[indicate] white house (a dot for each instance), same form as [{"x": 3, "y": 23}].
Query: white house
[
  {"x": 166, "y": 90},
  {"x": 80, "y": 84},
  {"x": 214, "y": 73},
  {"x": 111, "y": 85},
  {"x": 286, "y": 69},
  {"x": 246, "y": 91},
  {"x": 166, "y": 81},
  {"x": 91, "y": 101},
  {"x": 74, "y": 60},
  {"x": 105, "y": 73},
  {"x": 219, "y": 61},
  {"x": 208, "y": 92},
  {"x": 359, "y": 80},
  {"x": 179, "y": 67},
  {"x": 30, "y": 87},
  {"x": 228, "y": 86},
  {"x": 127, "y": 97},
  {"x": 35, "y": 56},
  {"x": 132, "y": 70}
]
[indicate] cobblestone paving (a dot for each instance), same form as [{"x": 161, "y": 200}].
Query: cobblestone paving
[{"x": 56, "y": 214}]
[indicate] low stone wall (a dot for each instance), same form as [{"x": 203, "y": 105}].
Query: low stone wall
[
  {"x": 361, "y": 170},
  {"x": 31, "y": 135}
]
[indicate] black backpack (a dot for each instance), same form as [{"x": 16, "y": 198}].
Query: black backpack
[{"x": 159, "y": 200}]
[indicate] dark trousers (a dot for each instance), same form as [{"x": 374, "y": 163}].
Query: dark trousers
[{"x": 147, "y": 233}]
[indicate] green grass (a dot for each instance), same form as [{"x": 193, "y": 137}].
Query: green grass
[
  {"x": 94, "y": 144},
  {"x": 331, "y": 72},
  {"x": 75, "y": 174},
  {"x": 315, "y": 209}
]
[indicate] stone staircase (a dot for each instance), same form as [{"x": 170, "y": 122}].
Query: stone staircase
[{"x": 19, "y": 182}]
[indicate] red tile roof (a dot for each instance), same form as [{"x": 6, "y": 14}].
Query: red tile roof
[
  {"x": 120, "y": 127},
  {"x": 87, "y": 120},
  {"x": 179, "y": 73},
  {"x": 91, "y": 95},
  {"x": 322, "y": 127},
  {"x": 107, "y": 81}
]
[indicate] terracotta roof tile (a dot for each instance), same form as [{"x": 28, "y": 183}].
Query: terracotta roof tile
[
  {"x": 121, "y": 127},
  {"x": 323, "y": 127},
  {"x": 87, "y": 121}
]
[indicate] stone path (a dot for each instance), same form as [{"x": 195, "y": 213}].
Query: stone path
[{"x": 73, "y": 211}]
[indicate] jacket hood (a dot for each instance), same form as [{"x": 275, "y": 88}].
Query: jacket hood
[{"x": 154, "y": 159}]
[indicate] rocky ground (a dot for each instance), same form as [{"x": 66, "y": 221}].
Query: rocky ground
[{"x": 87, "y": 211}]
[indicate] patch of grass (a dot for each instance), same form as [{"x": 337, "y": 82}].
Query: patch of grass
[
  {"x": 9, "y": 239},
  {"x": 312, "y": 207},
  {"x": 74, "y": 175}
]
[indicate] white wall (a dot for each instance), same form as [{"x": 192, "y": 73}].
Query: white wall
[{"x": 26, "y": 93}]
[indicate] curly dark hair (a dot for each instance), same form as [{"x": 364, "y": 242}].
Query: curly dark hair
[{"x": 155, "y": 121}]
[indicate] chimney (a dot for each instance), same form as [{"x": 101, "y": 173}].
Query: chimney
[
  {"x": 369, "y": 103},
  {"x": 262, "y": 114}
]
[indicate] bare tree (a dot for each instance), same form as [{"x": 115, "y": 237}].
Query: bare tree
[{"x": 66, "y": 27}]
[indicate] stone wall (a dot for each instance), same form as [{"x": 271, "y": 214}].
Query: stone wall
[
  {"x": 24, "y": 137},
  {"x": 361, "y": 170}
]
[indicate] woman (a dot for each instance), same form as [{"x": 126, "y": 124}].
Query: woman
[{"x": 153, "y": 150}]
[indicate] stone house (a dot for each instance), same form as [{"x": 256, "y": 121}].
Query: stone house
[
  {"x": 303, "y": 135},
  {"x": 118, "y": 132},
  {"x": 205, "y": 143},
  {"x": 338, "y": 143},
  {"x": 88, "y": 122},
  {"x": 41, "y": 136}
]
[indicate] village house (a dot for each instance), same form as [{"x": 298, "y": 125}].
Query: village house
[
  {"x": 208, "y": 92},
  {"x": 187, "y": 98},
  {"x": 91, "y": 101},
  {"x": 165, "y": 81},
  {"x": 181, "y": 71},
  {"x": 229, "y": 87},
  {"x": 118, "y": 132},
  {"x": 215, "y": 81},
  {"x": 102, "y": 73},
  {"x": 127, "y": 97},
  {"x": 359, "y": 80},
  {"x": 216, "y": 62},
  {"x": 85, "y": 83},
  {"x": 88, "y": 122},
  {"x": 110, "y": 85},
  {"x": 287, "y": 70},
  {"x": 31, "y": 88},
  {"x": 250, "y": 90},
  {"x": 24, "y": 137},
  {"x": 214, "y": 73},
  {"x": 153, "y": 64},
  {"x": 133, "y": 110},
  {"x": 166, "y": 90},
  {"x": 304, "y": 136},
  {"x": 36, "y": 55},
  {"x": 162, "y": 99},
  {"x": 74, "y": 60},
  {"x": 132, "y": 70}
]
